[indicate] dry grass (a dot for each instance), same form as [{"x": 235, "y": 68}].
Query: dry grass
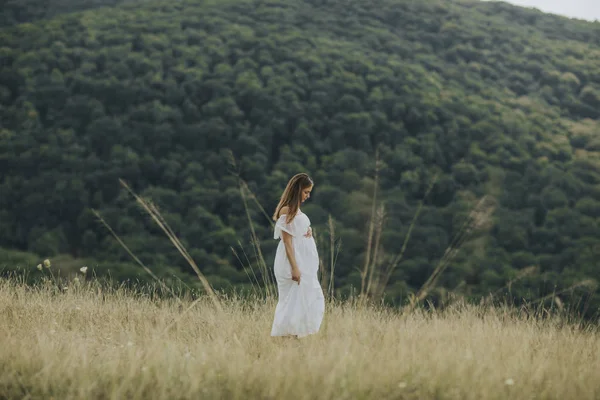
[{"x": 94, "y": 343}]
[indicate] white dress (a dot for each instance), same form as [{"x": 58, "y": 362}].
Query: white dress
[{"x": 300, "y": 307}]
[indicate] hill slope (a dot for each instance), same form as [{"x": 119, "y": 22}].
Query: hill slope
[{"x": 492, "y": 99}]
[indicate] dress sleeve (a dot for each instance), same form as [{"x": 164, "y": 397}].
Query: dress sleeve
[{"x": 282, "y": 225}]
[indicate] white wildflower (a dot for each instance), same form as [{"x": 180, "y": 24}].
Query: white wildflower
[
  {"x": 83, "y": 269},
  {"x": 47, "y": 263},
  {"x": 40, "y": 267}
]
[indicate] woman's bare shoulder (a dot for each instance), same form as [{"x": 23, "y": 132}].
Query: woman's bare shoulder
[{"x": 284, "y": 210}]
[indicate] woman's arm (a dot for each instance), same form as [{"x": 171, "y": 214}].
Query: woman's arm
[{"x": 289, "y": 249}]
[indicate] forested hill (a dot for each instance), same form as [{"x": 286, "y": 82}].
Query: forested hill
[
  {"x": 22, "y": 11},
  {"x": 492, "y": 99}
]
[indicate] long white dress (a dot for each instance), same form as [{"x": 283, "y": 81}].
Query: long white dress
[{"x": 300, "y": 307}]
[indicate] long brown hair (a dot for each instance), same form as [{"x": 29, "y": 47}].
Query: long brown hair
[{"x": 292, "y": 196}]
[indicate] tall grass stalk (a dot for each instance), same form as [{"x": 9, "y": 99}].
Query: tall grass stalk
[
  {"x": 395, "y": 260},
  {"x": 160, "y": 221},
  {"x": 372, "y": 223},
  {"x": 266, "y": 273},
  {"x": 334, "y": 250},
  {"x": 250, "y": 273},
  {"x": 591, "y": 284},
  {"x": 268, "y": 278},
  {"x": 135, "y": 258},
  {"x": 523, "y": 273},
  {"x": 379, "y": 221},
  {"x": 248, "y": 193},
  {"x": 477, "y": 218}
]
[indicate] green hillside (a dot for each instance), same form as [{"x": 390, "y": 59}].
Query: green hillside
[
  {"x": 22, "y": 11},
  {"x": 489, "y": 98}
]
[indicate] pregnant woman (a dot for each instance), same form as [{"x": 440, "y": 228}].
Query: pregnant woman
[{"x": 301, "y": 303}]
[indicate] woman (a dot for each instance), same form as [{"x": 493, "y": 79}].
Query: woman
[{"x": 301, "y": 303}]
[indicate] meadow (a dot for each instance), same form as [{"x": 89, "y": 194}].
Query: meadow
[{"x": 87, "y": 340}]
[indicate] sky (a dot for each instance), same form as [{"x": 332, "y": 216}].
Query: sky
[{"x": 583, "y": 9}]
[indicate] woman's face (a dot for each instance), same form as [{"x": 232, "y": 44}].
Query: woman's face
[{"x": 306, "y": 193}]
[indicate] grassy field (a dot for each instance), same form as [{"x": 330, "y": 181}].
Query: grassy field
[{"x": 90, "y": 342}]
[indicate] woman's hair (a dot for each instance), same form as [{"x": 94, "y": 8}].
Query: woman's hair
[{"x": 292, "y": 196}]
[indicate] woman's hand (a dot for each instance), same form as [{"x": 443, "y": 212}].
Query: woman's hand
[
  {"x": 296, "y": 274},
  {"x": 308, "y": 233}
]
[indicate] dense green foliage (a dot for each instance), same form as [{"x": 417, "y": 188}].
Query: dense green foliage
[
  {"x": 19, "y": 11},
  {"x": 492, "y": 99}
]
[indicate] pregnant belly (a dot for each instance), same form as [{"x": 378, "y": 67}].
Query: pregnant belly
[{"x": 306, "y": 251}]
